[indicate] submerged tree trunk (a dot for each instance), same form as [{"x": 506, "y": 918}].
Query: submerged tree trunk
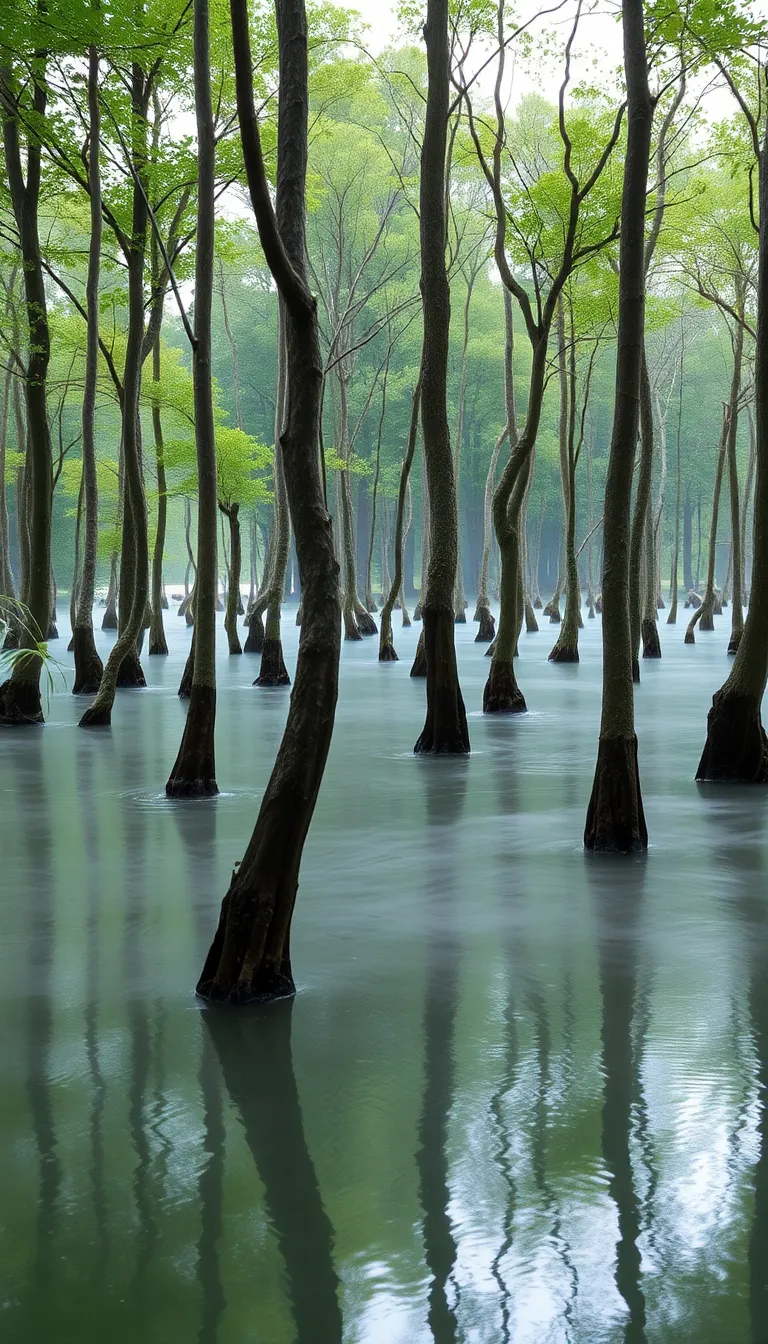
[
  {"x": 234, "y": 567},
  {"x": 705, "y": 612},
  {"x": 387, "y": 652},
  {"x": 445, "y": 729},
  {"x": 483, "y": 612},
  {"x": 194, "y": 770},
  {"x": 273, "y": 671},
  {"x": 566, "y": 649},
  {"x": 615, "y": 819},
  {"x": 250, "y": 955},
  {"x": 736, "y": 747},
  {"x": 20, "y": 701},
  {"x": 673, "y": 581}
]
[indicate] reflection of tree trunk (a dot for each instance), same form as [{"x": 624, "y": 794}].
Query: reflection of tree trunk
[
  {"x": 253, "y": 1050},
  {"x": 617, "y": 956},
  {"x": 445, "y": 800}
]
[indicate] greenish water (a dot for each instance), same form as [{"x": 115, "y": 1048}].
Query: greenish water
[{"x": 520, "y": 1096}]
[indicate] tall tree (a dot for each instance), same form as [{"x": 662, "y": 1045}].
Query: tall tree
[{"x": 615, "y": 819}]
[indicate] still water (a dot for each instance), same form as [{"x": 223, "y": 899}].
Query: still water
[{"x": 521, "y": 1094}]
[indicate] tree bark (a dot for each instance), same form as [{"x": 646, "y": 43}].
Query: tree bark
[
  {"x": 445, "y": 729},
  {"x": 157, "y": 640},
  {"x": 704, "y": 613},
  {"x": 387, "y": 653},
  {"x": 250, "y": 955},
  {"x": 20, "y": 701},
  {"x": 194, "y": 770},
  {"x": 615, "y": 819}
]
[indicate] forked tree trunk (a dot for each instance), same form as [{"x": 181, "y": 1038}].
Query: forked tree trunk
[
  {"x": 387, "y": 653},
  {"x": 194, "y": 770},
  {"x": 736, "y": 747},
  {"x": 615, "y": 819},
  {"x": 157, "y": 640},
  {"x": 250, "y": 955},
  {"x": 20, "y": 701},
  {"x": 88, "y": 664}
]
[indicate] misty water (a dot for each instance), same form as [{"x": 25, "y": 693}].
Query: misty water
[{"x": 520, "y": 1095}]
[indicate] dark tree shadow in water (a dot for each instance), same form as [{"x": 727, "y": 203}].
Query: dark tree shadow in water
[
  {"x": 94, "y": 890},
  {"x": 445, "y": 783},
  {"x": 618, "y": 891},
  {"x": 39, "y": 896},
  {"x": 196, "y": 825},
  {"x": 745, "y": 856},
  {"x": 253, "y": 1046}
]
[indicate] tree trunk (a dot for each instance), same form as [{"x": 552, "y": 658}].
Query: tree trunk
[
  {"x": 483, "y": 612},
  {"x": 273, "y": 671},
  {"x": 445, "y": 728},
  {"x": 736, "y": 747},
  {"x": 615, "y": 819},
  {"x": 642, "y": 507},
  {"x": 157, "y": 640},
  {"x": 88, "y": 665},
  {"x": 234, "y": 568},
  {"x": 7, "y": 586},
  {"x": 705, "y": 612},
  {"x": 250, "y": 955},
  {"x": 737, "y": 559},
  {"x": 566, "y": 649},
  {"x": 387, "y": 652},
  {"x": 194, "y": 770},
  {"x": 673, "y": 581},
  {"x": 20, "y": 701}
]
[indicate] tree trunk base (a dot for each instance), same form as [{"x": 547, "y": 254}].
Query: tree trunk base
[
  {"x": 537, "y": 604},
  {"x": 554, "y": 616},
  {"x": 599, "y": 604},
  {"x": 88, "y": 665},
  {"x": 351, "y": 631},
  {"x": 565, "y": 651},
  {"x": 164, "y": 603},
  {"x": 387, "y": 653},
  {"x": 445, "y": 731},
  {"x": 418, "y": 611},
  {"x": 158, "y": 647},
  {"x": 20, "y": 704},
  {"x": 487, "y": 625},
  {"x": 531, "y": 624},
  {"x": 233, "y": 642},
  {"x": 366, "y": 624},
  {"x": 651, "y": 642},
  {"x": 419, "y": 667},
  {"x": 406, "y": 621},
  {"x": 460, "y": 618},
  {"x": 734, "y": 641},
  {"x": 194, "y": 771},
  {"x": 53, "y": 630},
  {"x": 299, "y": 614},
  {"x": 109, "y": 621},
  {"x": 255, "y": 640},
  {"x": 273, "y": 670},
  {"x": 501, "y": 694},
  {"x": 706, "y": 622},
  {"x": 130, "y": 675},
  {"x": 615, "y": 818},
  {"x": 97, "y": 717},
  {"x": 736, "y": 749},
  {"x": 185, "y": 685},
  {"x": 189, "y": 615},
  {"x": 231, "y": 974}
]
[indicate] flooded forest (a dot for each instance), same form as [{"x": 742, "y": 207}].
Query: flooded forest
[{"x": 383, "y": 645}]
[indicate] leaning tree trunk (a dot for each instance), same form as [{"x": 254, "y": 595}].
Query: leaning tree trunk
[
  {"x": 157, "y": 640},
  {"x": 705, "y": 612},
  {"x": 445, "y": 728},
  {"x": 20, "y": 701},
  {"x": 387, "y": 653},
  {"x": 88, "y": 664},
  {"x": 194, "y": 770},
  {"x": 250, "y": 955},
  {"x": 615, "y": 819},
  {"x": 736, "y": 746}
]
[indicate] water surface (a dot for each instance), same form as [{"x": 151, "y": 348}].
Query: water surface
[{"x": 520, "y": 1095}]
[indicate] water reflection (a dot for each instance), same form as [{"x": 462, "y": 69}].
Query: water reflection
[
  {"x": 618, "y": 897},
  {"x": 254, "y": 1052},
  {"x": 445, "y": 785}
]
